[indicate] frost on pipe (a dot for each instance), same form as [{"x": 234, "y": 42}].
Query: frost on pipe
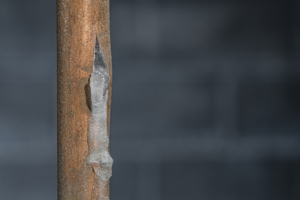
[{"x": 98, "y": 140}]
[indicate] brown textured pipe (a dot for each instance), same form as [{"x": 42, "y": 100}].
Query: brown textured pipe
[{"x": 78, "y": 23}]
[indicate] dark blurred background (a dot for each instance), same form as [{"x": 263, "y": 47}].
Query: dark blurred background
[{"x": 205, "y": 101}]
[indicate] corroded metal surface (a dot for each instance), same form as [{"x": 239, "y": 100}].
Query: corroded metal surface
[{"x": 78, "y": 23}]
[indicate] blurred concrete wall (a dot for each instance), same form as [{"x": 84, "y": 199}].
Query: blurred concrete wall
[{"x": 205, "y": 100}]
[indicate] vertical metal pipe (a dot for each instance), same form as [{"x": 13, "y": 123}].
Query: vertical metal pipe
[{"x": 79, "y": 23}]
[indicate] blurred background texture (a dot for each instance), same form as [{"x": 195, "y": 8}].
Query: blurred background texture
[{"x": 205, "y": 102}]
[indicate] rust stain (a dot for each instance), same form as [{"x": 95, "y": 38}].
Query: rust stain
[{"x": 78, "y": 23}]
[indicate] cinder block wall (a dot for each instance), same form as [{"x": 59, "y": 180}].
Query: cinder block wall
[{"x": 205, "y": 100}]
